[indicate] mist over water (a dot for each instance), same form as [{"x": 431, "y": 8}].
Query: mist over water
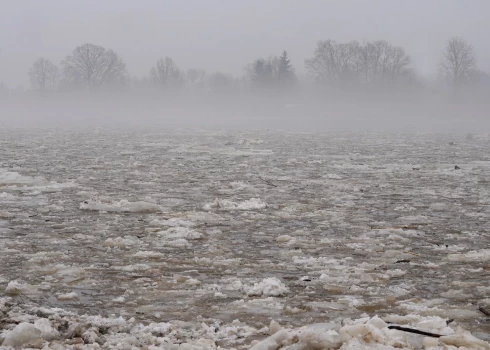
[
  {"x": 306, "y": 112},
  {"x": 307, "y": 66}
]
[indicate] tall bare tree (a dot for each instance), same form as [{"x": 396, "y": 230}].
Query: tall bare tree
[
  {"x": 380, "y": 62},
  {"x": 93, "y": 66},
  {"x": 374, "y": 63},
  {"x": 43, "y": 74},
  {"x": 165, "y": 73},
  {"x": 333, "y": 62},
  {"x": 458, "y": 62}
]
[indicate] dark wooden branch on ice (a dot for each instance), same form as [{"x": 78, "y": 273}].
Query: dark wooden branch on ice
[
  {"x": 402, "y": 261},
  {"x": 483, "y": 311},
  {"x": 416, "y": 331},
  {"x": 268, "y": 182}
]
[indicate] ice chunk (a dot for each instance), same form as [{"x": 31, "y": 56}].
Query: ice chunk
[
  {"x": 274, "y": 327},
  {"x": 438, "y": 206},
  {"x": 120, "y": 206},
  {"x": 172, "y": 222},
  {"x": 180, "y": 232},
  {"x": 240, "y": 186},
  {"x": 268, "y": 287},
  {"x": 178, "y": 243},
  {"x": 118, "y": 242},
  {"x": 5, "y": 214},
  {"x": 68, "y": 296},
  {"x": 283, "y": 238},
  {"x": 465, "y": 339},
  {"x": 15, "y": 288},
  {"x": 14, "y": 178},
  {"x": 47, "y": 331},
  {"x": 135, "y": 267},
  {"x": 23, "y": 333},
  {"x": 223, "y": 204},
  {"x": 144, "y": 255},
  {"x": 5, "y": 195},
  {"x": 118, "y": 299},
  {"x": 316, "y": 336},
  {"x": 474, "y": 255}
]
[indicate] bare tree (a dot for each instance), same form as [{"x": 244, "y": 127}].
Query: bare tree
[
  {"x": 370, "y": 64},
  {"x": 43, "y": 74},
  {"x": 333, "y": 62},
  {"x": 166, "y": 73},
  {"x": 93, "y": 66},
  {"x": 195, "y": 77},
  {"x": 382, "y": 63},
  {"x": 458, "y": 62}
]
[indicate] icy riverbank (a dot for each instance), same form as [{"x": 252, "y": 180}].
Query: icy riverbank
[{"x": 28, "y": 325}]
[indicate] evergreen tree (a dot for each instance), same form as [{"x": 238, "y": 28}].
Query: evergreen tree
[
  {"x": 285, "y": 72},
  {"x": 261, "y": 73}
]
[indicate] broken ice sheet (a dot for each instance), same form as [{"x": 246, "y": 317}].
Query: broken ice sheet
[{"x": 370, "y": 233}]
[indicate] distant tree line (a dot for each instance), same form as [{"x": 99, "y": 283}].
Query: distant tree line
[
  {"x": 372, "y": 64},
  {"x": 352, "y": 65}
]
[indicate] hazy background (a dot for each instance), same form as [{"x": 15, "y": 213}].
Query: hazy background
[
  {"x": 225, "y": 35},
  {"x": 228, "y": 35}
]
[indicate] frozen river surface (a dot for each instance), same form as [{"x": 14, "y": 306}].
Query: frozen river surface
[{"x": 205, "y": 237}]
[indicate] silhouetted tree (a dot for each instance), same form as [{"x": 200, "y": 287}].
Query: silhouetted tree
[
  {"x": 333, "y": 62},
  {"x": 43, "y": 74},
  {"x": 195, "y": 77},
  {"x": 380, "y": 63},
  {"x": 220, "y": 82},
  {"x": 166, "y": 73},
  {"x": 93, "y": 65},
  {"x": 458, "y": 62},
  {"x": 285, "y": 71},
  {"x": 261, "y": 73},
  {"x": 371, "y": 64}
]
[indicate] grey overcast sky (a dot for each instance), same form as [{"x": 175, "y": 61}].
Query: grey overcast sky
[{"x": 226, "y": 34}]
